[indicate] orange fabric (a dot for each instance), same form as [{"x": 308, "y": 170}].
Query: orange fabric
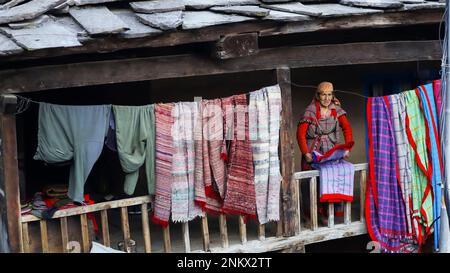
[{"x": 303, "y": 128}]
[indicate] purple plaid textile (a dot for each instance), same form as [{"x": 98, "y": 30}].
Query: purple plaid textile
[
  {"x": 385, "y": 208},
  {"x": 336, "y": 177}
]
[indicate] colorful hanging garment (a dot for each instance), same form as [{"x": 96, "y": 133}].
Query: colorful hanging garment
[
  {"x": 264, "y": 126},
  {"x": 135, "y": 138},
  {"x": 385, "y": 209},
  {"x": 210, "y": 168},
  {"x": 183, "y": 162},
  {"x": 397, "y": 106},
  {"x": 429, "y": 111},
  {"x": 163, "y": 163},
  {"x": 336, "y": 174},
  {"x": 240, "y": 188},
  {"x": 422, "y": 200},
  {"x": 438, "y": 100},
  {"x": 74, "y": 133}
]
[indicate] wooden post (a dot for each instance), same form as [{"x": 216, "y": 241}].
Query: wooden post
[
  {"x": 44, "y": 236},
  {"x": 26, "y": 238},
  {"x": 105, "y": 228},
  {"x": 223, "y": 230},
  {"x": 166, "y": 238},
  {"x": 313, "y": 205},
  {"x": 261, "y": 232},
  {"x": 347, "y": 213},
  {"x": 64, "y": 234},
  {"x": 362, "y": 200},
  {"x": 205, "y": 232},
  {"x": 146, "y": 228},
  {"x": 9, "y": 170},
  {"x": 125, "y": 227},
  {"x": 330, "y": 215},
  {"x": 289, "y": 192},
  {"x": 186, "y": 239},
  {"x": 242, "y": 230},
  {"x": 85, "y": 233}
]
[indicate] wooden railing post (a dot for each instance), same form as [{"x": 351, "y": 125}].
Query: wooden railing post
[
  {"x": 289, "y": 191},
  {"x": 9, "y": 170}
]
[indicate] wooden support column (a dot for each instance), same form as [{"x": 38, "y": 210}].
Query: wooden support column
[
  {"x": 289, "y": 192},
  {"x": 9, "y": 170}
]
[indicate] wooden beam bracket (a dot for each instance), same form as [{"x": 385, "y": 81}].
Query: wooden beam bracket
[{"x": 236, "y": 46}]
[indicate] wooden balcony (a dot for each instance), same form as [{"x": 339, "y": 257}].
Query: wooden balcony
[{"x": 70, "y": 232}]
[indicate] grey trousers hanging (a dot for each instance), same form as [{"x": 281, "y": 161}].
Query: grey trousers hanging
[
  {"x": 74, "y": 133},
  {"x": 135, "y": 136}
]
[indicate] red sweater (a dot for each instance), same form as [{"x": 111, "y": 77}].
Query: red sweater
[{"x": 303, "y": 127}]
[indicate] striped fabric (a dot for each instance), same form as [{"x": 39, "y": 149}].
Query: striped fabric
[
  {"x": 385, "y": 209},
  {"x": 213, "y": 166},
  {"x": 183, "y": 162},
  {"x": 264, "y": 126},
  {"x": 422, "y": 201},
  {"x": 240, "y": 188},
  {"x": 429, "y": 111},
  {"x": 163, "y": 163},
  {"x": 398, "y": 110},
  {"x": 336, "y": 175}
]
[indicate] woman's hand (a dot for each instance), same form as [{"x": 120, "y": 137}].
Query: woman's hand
[
  {"x": 347, "y": 154},
  {"x": 308, "y": 158}
]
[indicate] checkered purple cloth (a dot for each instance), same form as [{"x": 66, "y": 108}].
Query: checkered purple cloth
[
  {"x": 385, "y": 209},
  {"x": 336, "y": 176}
]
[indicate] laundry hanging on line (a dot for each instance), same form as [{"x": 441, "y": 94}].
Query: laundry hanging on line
[{"x": 413, "y": 119}]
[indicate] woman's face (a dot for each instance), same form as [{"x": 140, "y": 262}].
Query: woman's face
[{"x": 325, "y": 97}]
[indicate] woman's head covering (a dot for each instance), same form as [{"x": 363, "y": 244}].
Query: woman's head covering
[{"x": 326, "y": 86}]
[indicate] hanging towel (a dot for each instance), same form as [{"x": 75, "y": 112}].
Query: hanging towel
[
  {"x": 213, "y": 136},
  {"x": 163, "y": 163},
  {"x": 264, "y": 126},
  {"x": 397, "y": 106},
  {"x": 422, "y": 201},
  {"x": 240, "y": 188},
  {"x": 183, "y": 163},
  {"x": 208, "y": 157},
  {"x": 72, "y": 133},
  {"x": 135, "y": 137},
  {"x": 336, "y": 174},
  {"x": 385, "y": 209},
  {"x": 434, "y": 148}
]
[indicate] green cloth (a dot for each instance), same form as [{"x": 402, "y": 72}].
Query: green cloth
[
  {"x": 135, "y": 133},
  {"x": 419, "y": 178}
]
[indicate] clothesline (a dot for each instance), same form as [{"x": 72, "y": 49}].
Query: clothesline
[{"x": 24, "y": 102}]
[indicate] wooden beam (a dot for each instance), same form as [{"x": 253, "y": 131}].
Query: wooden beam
[
  {"x": 9, "y": 171},
  {"x": 305, "y": 238},
  {"x": 235, "y": 46},
  {"x": 151, "y": 68},
  {"x": 371, "y": 21},
  {"x": 312, "y": 173},
  {"x": 289, "y": 193},
  {"x": 264, "y": 28}
]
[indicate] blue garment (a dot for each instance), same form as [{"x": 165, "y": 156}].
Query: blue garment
[
  {"x": 75, "y": 133},
  {"x": 429, "y": 111}
]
